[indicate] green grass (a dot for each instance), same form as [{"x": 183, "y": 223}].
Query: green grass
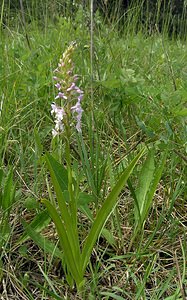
[{"x": 138, "y": 87}]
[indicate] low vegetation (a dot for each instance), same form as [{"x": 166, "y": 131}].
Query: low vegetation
[{"x": 99, "y": 212}]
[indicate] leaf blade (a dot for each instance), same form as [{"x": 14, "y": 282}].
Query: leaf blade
[{"x": 106, "y": 210}]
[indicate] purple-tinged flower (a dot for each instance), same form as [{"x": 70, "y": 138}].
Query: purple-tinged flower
[
  {"x": 65, "y": 82},
  {"x": 80, "y": 97},
  {"x": 75, "y": 77},
  {"x": 78, "y": 90},
  {"x": 72, "y": 87},
  {"x": 58, "y": 86},
  {"x": 61, "y": 95}
]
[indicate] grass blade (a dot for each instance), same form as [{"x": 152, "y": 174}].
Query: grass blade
[{"x": 106, "y": 210}]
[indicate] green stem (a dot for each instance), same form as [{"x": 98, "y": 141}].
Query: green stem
[
  {"x": 72, "y": 196},
  {"x": 72, "y": 200}
]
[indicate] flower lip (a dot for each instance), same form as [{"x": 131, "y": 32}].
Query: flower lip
[
  {"x": 58, "y": 86},
  {"x": 61, "y": 95},
  {"x": 80, "y": 97},
  {"x": 78, "y": 90},
  {"x": 72, "y": 87}
]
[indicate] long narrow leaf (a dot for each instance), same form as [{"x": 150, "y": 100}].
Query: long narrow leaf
[
  {"x": 145, "y": 178},
  {"x": 60, "y": 172},
  {"x": 153, "y": 187},
  {"x": 106, "y": 210},
  {"x": 71, "y": 260},
  {"x": 38, "y": 223},
  {"x": 105, "y": 232},
  {"x": 58, "y": 183},
  {"x": 42, "y": 242}
]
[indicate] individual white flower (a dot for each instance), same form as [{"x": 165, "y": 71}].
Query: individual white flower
[
  {"x": 58, "y": 113},
  {"x": 78, "y": 110}
]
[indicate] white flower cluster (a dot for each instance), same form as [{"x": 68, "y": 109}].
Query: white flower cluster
[{"x": 68, "y": 91}]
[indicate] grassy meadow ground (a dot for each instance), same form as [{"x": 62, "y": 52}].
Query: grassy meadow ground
[{"x": 135, "y": 89}]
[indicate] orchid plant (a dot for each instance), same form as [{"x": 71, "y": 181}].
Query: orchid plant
[{"x": 67, "y": 112}]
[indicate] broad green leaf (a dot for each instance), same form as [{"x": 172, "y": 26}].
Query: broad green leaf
[
  {"x": 106, "y": 210},
  {"x": 174, "y": 297},
  {"x": 105, "y": 232},
  {"x": 72, "y": 257},
  {"x": 38, "y": 224},
  {"x": 55, "y": 172},
  {"x": 136, "y": 207},
  {"x": 60, "y": 172},
  {"x": 42, "y": 242},
  {"x": 145, "y": 178},
  {"x": 148, "y": 131},
  {"x": 155, "y": 181}
]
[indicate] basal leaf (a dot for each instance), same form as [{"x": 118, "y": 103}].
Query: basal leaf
[
  {"x": 42, "y": 242},
  {"x": 40, "y": 222},
  {"x": 72, "y": 254},
  {"x": 154, "y": 183},
  {"x": 145, "y": 178},
  {"x": 105, "y": 211},
  {"x": 60, "y": 172}
]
